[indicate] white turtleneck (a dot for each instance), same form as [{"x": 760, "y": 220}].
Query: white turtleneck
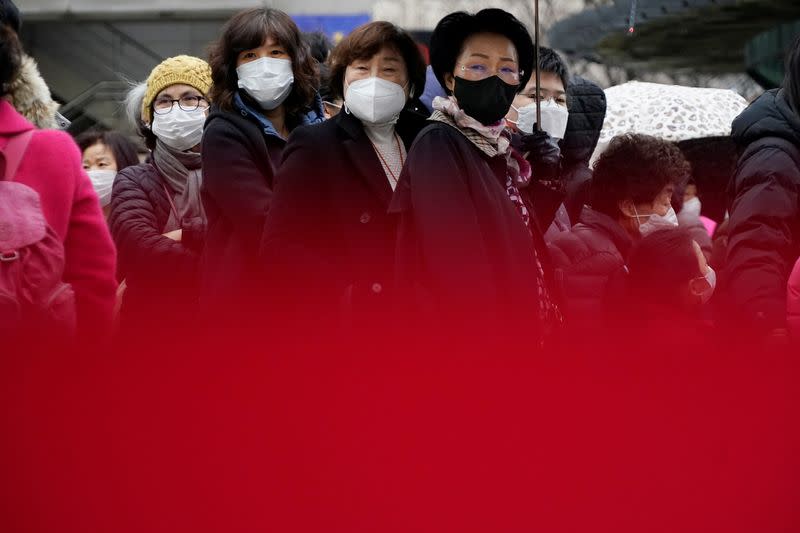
[{"x": 386, "y": 143}]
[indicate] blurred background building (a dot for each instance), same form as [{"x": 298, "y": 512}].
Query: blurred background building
[{"x": 89, "y": 50}]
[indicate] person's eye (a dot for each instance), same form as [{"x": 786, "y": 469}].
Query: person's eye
[
  {"x": 390, "y": 69},
  {"x": 477, "y": 68},
  {"x": 278, "y": 52},
  {"x": 85, "y": 166},
  {"x": 249, "y": 55},
  {"x": 361, "y": 67},
  {"x": 508, "y": 70}
]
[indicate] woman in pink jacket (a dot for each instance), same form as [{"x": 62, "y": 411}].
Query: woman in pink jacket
[{"x": 51, "y": 165}]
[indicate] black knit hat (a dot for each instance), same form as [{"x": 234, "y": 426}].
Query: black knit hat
[
  {"x": 451, "y": 32},
  {"x": 9, "y": 14}
]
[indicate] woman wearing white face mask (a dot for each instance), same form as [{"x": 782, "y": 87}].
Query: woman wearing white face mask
[
  {"x": 265, "y": 86},
  {"x": 328, "y": 235},
  {"x": 104, "y": 154},
  {"x": 157, "y": 217},
  {"x": 631, "y": 192}
]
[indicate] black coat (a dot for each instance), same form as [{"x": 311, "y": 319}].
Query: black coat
[
  {"x": 464, "y": 252},
  {"x": 239, "y": 164},
  {"x": 587, "y": 111},
  {"x": 328, "y": 240},
  {"x": 161, "y": 274},
  {"x": 586, "y": 261},
  {"x": 764, "y": 226}
]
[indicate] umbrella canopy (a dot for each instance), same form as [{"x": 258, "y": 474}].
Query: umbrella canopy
[{"x": 670, "y": 112}]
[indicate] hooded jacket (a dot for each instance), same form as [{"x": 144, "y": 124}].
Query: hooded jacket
[
  {"x": 587, "y": 111},
  {"x": 31, "y": 97},
  {"x": 764, "y": 226}
]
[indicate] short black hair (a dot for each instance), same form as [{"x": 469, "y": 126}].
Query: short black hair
[
  {"x": 635, "y": 167},
  {"x": 447, "y": 40},
  {"x": 791, "y": 80},
  {"x": 319, "y": 44},
  {"x": 123, "y": 149},
  {"x": 550, "y": 61},
  {"x": 10, "y": 57}
]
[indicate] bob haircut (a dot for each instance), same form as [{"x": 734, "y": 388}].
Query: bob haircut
[
  {"x": 121, "y": 147},
  {"x": 366, "y": 41},
  {"x": 447, "y": 41},
  {"x": 635, "y": 167},
  {"x": 250, "y": 29}
]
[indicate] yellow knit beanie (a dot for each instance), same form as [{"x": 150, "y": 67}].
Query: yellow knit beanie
[{"x": 188, "y": 70}]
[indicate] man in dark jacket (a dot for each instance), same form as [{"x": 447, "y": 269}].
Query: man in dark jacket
[
  {"x": 587, "y": 111},
  {"x": 764, "y": 227},
  {"x": 633, "y": 180}
]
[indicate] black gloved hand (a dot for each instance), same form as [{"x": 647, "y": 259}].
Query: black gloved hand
[{"x": 543, "y": 153}]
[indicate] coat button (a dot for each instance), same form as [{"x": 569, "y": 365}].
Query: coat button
[
  {"x": 377, "y": 288},
  {"x": 244, "y": 113},
  {"x": 365, "y": 218}
]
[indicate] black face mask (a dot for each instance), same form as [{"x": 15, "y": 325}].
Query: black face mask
[{"x": 487, "y": 100}]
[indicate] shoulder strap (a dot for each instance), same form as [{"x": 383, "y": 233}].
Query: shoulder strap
[{"x": 14, "y": 152}]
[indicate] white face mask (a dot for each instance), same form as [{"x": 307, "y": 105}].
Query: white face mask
[
  {"x": 554, "y": 118},
  {"x": 375, "y": 100},
  {"x": 103, "y": 182},
  {"x": 267, "y": 80},
  {"x": 692, "y": 207},
  {"x": 179, "y": 129},
  {"x": 655, "y": 222}
]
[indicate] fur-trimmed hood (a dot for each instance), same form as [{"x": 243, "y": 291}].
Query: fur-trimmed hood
[{"x": 31, "y": 97}]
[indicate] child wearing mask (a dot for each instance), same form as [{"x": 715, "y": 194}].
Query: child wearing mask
[
  {"x": 157, "y": 217},
  {"x": 265, "y": 86}
]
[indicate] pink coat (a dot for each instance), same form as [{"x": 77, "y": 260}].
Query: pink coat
[
  {"x": 52, "y": 166},
  {"x": 793, "y": 302}
]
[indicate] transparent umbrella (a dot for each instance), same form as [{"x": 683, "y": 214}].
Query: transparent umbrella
[{"x": 670, "y": 112}]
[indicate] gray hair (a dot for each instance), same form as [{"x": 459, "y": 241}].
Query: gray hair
[{"x": 133, "y": 105}]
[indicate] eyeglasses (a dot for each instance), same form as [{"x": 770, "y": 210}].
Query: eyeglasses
[
  {"x": 162, "y": 106},
  {"x": 478, "y": 71}
]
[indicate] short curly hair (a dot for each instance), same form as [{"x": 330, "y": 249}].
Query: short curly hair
[
  {"x": 366, "y": 41},
  {"x": 447, "y": 40},
  {"x": 249, "y": 29},
  {"x": 635, "y": 167}
]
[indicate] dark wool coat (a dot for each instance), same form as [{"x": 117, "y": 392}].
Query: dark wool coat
[
  {"x": 764, "y": 226},
  {"x": 464, "y": 252},
  {"x": 329, "y": 241},
  {"x": 241, "y": 155}
]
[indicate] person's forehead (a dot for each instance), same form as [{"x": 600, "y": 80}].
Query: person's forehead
[
  {"x": 178, "y": 90},
  {"x": 97, "y": 150},
  {"x": 550, "y": 82},
  {"x": 491, "y": 44}
]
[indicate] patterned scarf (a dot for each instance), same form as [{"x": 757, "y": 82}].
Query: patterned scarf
[{"x": 491, "y": 140}]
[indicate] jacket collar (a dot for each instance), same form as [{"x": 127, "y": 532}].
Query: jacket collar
[
  {"x": 604, "y": 223},
  {"x": 362, "y": 155},
  {"x": 249, "y": 110},
  {"x": 11, "y": 122}
]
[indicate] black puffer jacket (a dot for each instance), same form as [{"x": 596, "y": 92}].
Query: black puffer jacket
[
  {"x": 587, "y": 111},
  {"x": 585, "y": 260},
  {"x": 160, "y": 273},
  {"x": 764, "y": 226}
]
